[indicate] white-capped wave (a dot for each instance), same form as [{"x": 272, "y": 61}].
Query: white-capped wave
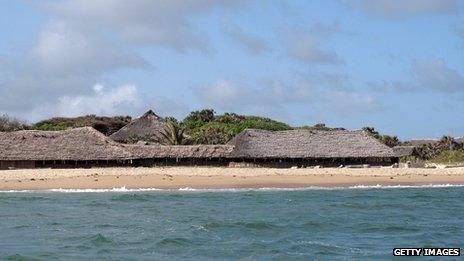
[{"x": 188, "y": 189}]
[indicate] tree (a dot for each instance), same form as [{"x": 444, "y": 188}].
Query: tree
[
  {"x": 390, "y": 141},
  {"x": 230, "y": 118},
  {"x": 173, "y": 134},
  {"x": 372, "y": 132},
  {"x": 213, "y": 134},
  {"x": 320, "y": 126},
  {"x": 101, "y": 127},
  {"x": 205, "y": 115},
  {"x": 448, "y": 143},
  {"x": 8, "y": 123}
]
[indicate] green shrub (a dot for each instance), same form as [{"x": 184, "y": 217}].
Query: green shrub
[
  {"x": 449, "y": 157},
  {"x": 51, "y": 127}
]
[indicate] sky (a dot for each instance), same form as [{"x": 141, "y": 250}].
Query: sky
[{"x": 396, "y": 65}]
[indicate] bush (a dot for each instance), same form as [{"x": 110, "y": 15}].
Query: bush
[
  {"x": 449, "y": 157},
  {"x": 106, "y": 125},
  {"x": 101, "y": 127},
  {"x": 51, "y": 127},
  {"x": 390, "y": 141},
  {"x": 205, "y": 128},
  {"x": 8, "y": 123},
  {"x": 205, "y": 115},
  {"x": 213, "y": 134}
]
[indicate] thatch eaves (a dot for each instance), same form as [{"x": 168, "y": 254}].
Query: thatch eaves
[
  {"x": 307, "y": 144},
  {"x": 147, "y": 125},
  {"x": 78, "y": 144},
  {"x": 182, "y": 151},
  {"x": 404, "y": 151}
]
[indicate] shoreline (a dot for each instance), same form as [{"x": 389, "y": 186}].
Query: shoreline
[{"x": 222, "y": 178}]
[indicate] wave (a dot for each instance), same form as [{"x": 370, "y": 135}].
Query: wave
[{"x": 188, "y": 189}]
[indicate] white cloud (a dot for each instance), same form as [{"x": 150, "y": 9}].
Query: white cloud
[
  {"x": 435, "y": 75},
  {"x": 423, "y": 75},
  {"x": 306, "y": 44},
  {"x": 61, "y": 49},
  {"x": 225, "y": 95},
  {"x": 292, "y": 101},
  {"x": 400, "y": 9},
  {"x": 163, "y": 22},
  {"x": 85, "y": 40},
  {"x": 61, "y": 62},
  {"x": 122, "y": 100},
  {"x": 347, "y": 102}
]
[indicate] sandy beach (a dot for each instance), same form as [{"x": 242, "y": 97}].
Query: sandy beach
[{"x": 212, "y": 177}]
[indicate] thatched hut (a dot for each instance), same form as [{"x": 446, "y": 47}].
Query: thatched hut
[
  {"x": 404, "y": 151},
  {"x": 149, "y": 124},
  {"x": 86, "y": 147},
  {"x": 81, "y": 147},
  {"x": 153, "y": 155},
  {"x": 309, "y": 148}
]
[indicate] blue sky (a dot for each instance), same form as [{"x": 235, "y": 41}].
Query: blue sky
[{"x": 396, "y": 65}]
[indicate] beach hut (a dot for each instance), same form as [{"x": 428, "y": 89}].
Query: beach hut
[
  {"x": 149, "y": 124},
  {"x": 309, "y": 148},
  {"x": 81, "y": 147}
]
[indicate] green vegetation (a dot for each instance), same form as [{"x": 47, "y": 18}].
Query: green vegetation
[
  {"x": 173, "y": 134},
  {"x": 318, "y": 126},
  {"x": 449, "y": 157},
  {"x": 204, "y": 127},
  {"x": 45, "y": 126},
  {"x": 433, "y": 152},
  {"x": 390, "y": 141},
  {"x": 106, "y": 125}
]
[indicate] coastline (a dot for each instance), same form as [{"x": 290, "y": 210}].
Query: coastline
[{"x": 222, "y": 178}]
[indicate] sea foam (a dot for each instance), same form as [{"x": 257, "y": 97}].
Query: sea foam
[{"x": 188, "y": 189}]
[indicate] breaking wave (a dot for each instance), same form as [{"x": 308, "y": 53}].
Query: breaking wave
[{"x": 188, "y": 189}]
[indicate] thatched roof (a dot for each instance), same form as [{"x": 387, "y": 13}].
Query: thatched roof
[
  {"x": 88, "y": 144},
  {"x": 403, "y": 151},
  {"x": 307, "y": 144},
  {"x": 76, "y": 144},
  {"x": 188, "y": 151},
  {"x": 417, "y": 143},
  {"x": 148, "y": 124}
]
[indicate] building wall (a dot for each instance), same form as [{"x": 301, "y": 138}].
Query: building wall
[
  {"x": 17, "y": 164},
  {"x": 181, "y": 162},
  {"x": 218, "y": 162},
  {"x": 301, "y": 163},
  {"x": 82, "y": 164}
]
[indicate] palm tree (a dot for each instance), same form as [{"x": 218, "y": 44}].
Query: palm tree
[
  {"x": 372, "y": 131},
  {"x": 390, "y": 141},
  {"x": 448, "y": 143},
  {"x": 173, "y": 134}
]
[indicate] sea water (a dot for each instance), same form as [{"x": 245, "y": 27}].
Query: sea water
[{"x": 313, "y": 223}]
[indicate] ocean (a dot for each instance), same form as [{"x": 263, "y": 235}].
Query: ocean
[{"x": 262, "y": 224}]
